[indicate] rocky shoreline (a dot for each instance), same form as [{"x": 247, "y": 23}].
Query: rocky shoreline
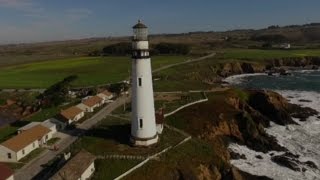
[
  {"x": 245, "y": 116},
  {"x": 244, "y": 66},
  {"x": 266, "y": 106}
]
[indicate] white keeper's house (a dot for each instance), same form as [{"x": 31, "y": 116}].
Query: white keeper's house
[
  {"x": 24, "y": 143},
  {"x": 72, "y": 114},
  {"x": 105, "y": 95},
  {"x": 89, "y": 104}
]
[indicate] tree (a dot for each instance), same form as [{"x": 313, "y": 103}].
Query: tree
[{"x": 57, "y": 93}]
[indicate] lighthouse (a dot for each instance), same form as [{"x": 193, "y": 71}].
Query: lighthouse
[{"x": 143, "y": 122}]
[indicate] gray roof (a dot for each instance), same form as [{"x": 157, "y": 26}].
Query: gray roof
[{"x": 47, "y": 123}]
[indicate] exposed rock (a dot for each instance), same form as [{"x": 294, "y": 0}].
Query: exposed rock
[
  {"x": 216, "y": 175},
  {"x": 234, "y": 155},
  {"x": 302, "y": 113},
  {"x": 285, "y": 161},
  {"x": 304, "y": 100},
  {"x": 232, "y": 68},
  {"x": 271, "y": 105},
  {"x": 205, "y": 174},
  {"x": 311, "y": 164}
]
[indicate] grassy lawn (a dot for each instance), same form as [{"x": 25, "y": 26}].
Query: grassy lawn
[
  {"x": 265, "y": 54},
  {"x": 185, "y": 159},
  {"x": 111, "y": 168},
  {"x": 53, "y": 141},
  {"x": 111, "y": 136},
  {"x": 6, "y": 132},
  {"x": 32, "y": 155},
  {"x": 91, "y": 71},
  {"x": 44, "y": 114},
  {"x": 14, "y": 166},
  {"x": 185, "y": 98}
]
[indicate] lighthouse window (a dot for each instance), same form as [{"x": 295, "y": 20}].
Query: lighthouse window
[
  {"x": 140, "y": 123},
  {"x": 140, "y": 81}
]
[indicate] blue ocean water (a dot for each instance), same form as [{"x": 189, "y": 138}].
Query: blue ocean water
[
  {"x": 301, "y": 138},
  {"x": 298, "y": 81}
]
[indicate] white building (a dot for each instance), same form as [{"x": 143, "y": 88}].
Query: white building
[
  {"x": 80, "y": 167},
  {"x": 6, "y": 173},
  {"x": 285, "y": 46},
  {"x": 143, "y": 122},
  {"x": 24, "y": 143},
  {"x": 89, "y": 104},
  {"x": 52, "y": 124},
  {"x": 72, "y": 114},
  {"x": 106, "y": 96}
]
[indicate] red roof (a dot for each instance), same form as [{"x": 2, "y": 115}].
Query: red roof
[{"x": 5, "y": 172}]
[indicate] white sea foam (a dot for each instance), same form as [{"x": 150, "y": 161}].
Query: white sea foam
[
  {"x": 302, "y": 139},
  {"x": 238, "y": 79}
]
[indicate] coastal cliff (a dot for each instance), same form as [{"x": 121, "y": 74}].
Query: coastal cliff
[
  {"x": 246, "y": 67},
  {"x": 240, "y": 116}
]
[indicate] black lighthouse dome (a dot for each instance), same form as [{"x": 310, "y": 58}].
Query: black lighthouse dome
[{"x": 139, "y": 25}]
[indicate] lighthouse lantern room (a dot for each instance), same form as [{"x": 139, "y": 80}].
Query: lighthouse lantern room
[{"x": 143, "y": 123}]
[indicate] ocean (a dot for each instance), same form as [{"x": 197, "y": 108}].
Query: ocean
[{"x": 302, "y": 139}]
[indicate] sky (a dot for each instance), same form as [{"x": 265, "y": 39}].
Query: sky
[{"x": 23, "y": 21}]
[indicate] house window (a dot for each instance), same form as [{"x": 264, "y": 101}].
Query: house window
[
  {"x": 46, "y": 137},
  {"x": 33, "y": 145},
  {"x": 9, "y": 156},
  {"x": 140, "y": 81},
  {"x": 22, "y": 151},
  {"x": 140, "y": 123}
]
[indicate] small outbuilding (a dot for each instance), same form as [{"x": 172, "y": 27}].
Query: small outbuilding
[
  {"x": 106, "y": 96},
  {"x": 6, "y": 173},
  {"x": 24, "y": 143},
  {"x": 72, "y": 114},
  {"x": 80, "y": 167},
  {"x": 159, "y": 120},
  {"x": 89, "y": 104}
]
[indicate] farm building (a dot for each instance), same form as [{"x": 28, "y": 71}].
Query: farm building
[
  {"x": 24, "y": 143},
  {"x": 6, "y": 173},
  {"x": 89, "y": 104},
  {"x": 53, "y": 124},
  {"x": 81, "y": 166},
  {"x": 72, "y": 114},
  {"x": 106, "y": 96}
]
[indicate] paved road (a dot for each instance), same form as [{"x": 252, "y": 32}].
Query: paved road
[{"x": 34, "y": 167}]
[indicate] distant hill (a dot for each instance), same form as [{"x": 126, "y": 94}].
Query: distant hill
[{"x": 302, "y": 36}]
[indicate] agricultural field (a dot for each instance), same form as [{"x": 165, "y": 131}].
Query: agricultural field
[
  {"x": 90, "y": 70},
  {"x": 258, "y": 54}
]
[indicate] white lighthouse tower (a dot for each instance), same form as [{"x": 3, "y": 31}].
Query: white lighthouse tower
[{"x": 143, "y": 123}]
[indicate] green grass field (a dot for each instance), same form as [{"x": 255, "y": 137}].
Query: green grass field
[
  {"x": 91, "y": 71},
  {"x": 257, "y": 54}
]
